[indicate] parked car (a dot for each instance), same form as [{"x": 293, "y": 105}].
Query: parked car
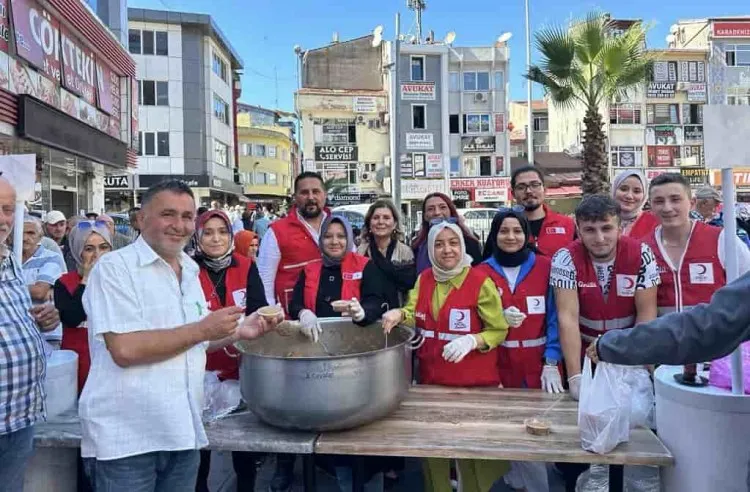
[
  {"x": 355, "y": 214},
  {"x": 478, "y": 220},
  {"x": 122, "y": 223}
]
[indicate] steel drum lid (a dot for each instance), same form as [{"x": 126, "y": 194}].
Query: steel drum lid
[{"x": 340, "y": 337}]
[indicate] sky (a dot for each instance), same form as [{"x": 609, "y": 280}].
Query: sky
[{"x": 264, "y": 32}]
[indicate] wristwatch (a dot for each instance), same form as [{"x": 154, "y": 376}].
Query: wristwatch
[{"x": 550, "y": 362}]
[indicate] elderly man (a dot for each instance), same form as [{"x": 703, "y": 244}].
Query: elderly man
[
  {"x": 23, "y": 362},
  {"x": 41, "y": 269},
  {"x": 56, "y": 226},
  {"x": 118, "y": 240},
  {"x": 149, "y": 329}
]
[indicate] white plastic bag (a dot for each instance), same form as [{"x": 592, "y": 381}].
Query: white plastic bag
[
  {"x": 636, "y": 479},
  {"x": 220, "y": 398},
  {"x": 642, "y": 401},
  {"x": 604, "y": 407}
]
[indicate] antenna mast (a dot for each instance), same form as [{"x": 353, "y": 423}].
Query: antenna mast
[{"x": 418, "y": 6}]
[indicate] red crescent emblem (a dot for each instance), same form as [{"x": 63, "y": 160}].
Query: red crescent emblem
[
  {"x": 461, "y": 316},
  {"x": 702, "y": 269},
  {"x": 629, "y": 283}
]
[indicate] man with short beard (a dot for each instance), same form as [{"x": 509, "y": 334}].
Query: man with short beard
[
  {"x": 550, "y": 230},
  {"x": 287, "y": 246}
]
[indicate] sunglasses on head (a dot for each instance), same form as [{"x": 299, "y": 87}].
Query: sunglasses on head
[
  {"x": 89, "y": 224},
  {"x": 440, "y": 220}
]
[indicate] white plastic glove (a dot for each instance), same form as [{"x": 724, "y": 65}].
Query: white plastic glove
[
  {"x": 551, "y": 380},
  {"x": 459, "y": 348},
  {"x": 391, "y": 319},
  {"x": 574, "y": 386},
  {"x": 355, "y": 310},
  {"x": 310, "y": 325},
  {"x": 514, "y": 316}
]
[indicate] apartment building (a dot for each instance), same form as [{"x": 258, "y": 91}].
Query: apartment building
[
  {"x": 519, "y": 127},
  {"x": 188, "y": 81}
]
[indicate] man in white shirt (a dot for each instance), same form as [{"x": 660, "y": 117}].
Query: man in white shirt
[{"x": 149, "y": 330}]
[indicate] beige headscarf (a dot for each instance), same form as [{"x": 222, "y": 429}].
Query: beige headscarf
[{"x": 442, "y": 275}]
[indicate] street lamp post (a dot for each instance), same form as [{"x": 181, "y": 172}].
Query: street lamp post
[{"x": 530, "y": 128}]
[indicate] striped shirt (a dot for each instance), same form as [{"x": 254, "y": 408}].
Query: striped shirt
[
  {"x": 22, "y": 362},
  {"x": 45, "y": 266}
]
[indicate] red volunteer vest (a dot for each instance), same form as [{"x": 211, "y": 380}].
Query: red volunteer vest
[
  {"x": 352, "y": 267},
  {"x": 298, "y": 248},
  {"x": 597, "y": 315},
  {"x": 557, "y": 232},
  {"x": 236, "y": 286},
  {"x": 701, "y": 273},
  {"x": 458, "y": 316},
  {"x": 520, "y": 356},
  {"x": 643, "y": 226},
  {"x": 76, "y": 338}
]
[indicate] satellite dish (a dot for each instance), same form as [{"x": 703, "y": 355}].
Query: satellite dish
[
  {"x": 378, "y": 31},
  {"x": 297, "y": 49},
  {"x": 449, "y": 38},
  {"x": 671, "y": 38},
  {"x": 412, "y": 39},
  {"x": 504, "y": 37},
  {"x": 674, "y": 28},
  {"x": 377, "y": 36}
]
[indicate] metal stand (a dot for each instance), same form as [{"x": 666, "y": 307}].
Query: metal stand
[
  {"x": 308, "y": 472},
  {"x": 616, "y": 478},
  {"x": 358, "y": 474}
]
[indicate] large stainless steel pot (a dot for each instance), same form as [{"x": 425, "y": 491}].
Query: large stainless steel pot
[{"x": 291, "y": 382}]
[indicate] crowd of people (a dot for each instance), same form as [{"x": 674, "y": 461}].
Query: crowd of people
[{"x": 148, "y": 314}]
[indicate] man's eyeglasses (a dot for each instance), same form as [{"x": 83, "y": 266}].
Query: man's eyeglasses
[
  {"x": 89, "y": 224},
  {"x": 534, "y": 185},
  {"x": 440, "y": 220}
]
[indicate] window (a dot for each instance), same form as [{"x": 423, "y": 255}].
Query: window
[
  {"x": 485, "y": 165},
  {"x": 692, "y": 71},
  {"x": 418, "y": 117},
  {"x": 272, "y": 151},
  {"x": 453, "y": 124},
  {"x": 153, "y": 93},
  {"x": 476, "y": 123},
  {"x": 476, "y": 81},
  {"x": 737, "y": 55},
  {"x": 162, "y": 144},
  {"x": 469, "y": 167},
  {"x": 499, "y": 80},
  {"x": 284, "y": 155},
  {"x": 665, "y": 71},
  {"x": 541, "y": 148},
  {"x": 454, "y": 82},
  {"x": 417, "y": 68},
  {"x": 738, "y": 100},
  {"x": 335, "y": 132},
  {"x": 627, "y": 156},
  {"x": 273, "y": 179},
  {"x": 148, "y": 143},
  {"x": 162, "y": 45},
  {"x": 246, "y": 149},
  {"x": 692, "y": 114},
  {"x": 221, "y": 110},
  {"x": 623, "y": 114},
  {"x": 148, "y": 42},
  {"x": 221, "y": 153},
  {"x": 541, "y": 123},
  {"x": 259, "y": 150},
  {"x": 661, "y": 114},
  {"x": 134, "y": 41},
  {"x": 455, "y": 170},
  {"x": 219, "y": 67}
]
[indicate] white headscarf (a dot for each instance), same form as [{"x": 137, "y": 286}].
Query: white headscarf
[{"x": 442, "y": 275}]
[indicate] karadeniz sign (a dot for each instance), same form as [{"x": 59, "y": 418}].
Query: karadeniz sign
[{"x": 336, "y": 153}]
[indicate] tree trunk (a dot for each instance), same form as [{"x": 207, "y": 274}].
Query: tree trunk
[{"x": 595, "y": 170}]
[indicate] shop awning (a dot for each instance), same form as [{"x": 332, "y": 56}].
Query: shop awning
[{"x": 562, "y": 191}]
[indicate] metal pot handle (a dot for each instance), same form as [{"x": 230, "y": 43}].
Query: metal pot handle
[
  {"x": 416, "y": 342},
  {"x": 233, "y": 356}
]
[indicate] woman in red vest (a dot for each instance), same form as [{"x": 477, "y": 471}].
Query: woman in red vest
[
  {"x": 456, "y": 309},
  {"x": 227, "y": 279},
  {"x": 341, "y": 274},
  {"x": 88, "y": 240},
  {"x": 629, "y": 191}
]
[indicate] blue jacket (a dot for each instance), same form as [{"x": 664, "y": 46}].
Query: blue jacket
[{"x": 552, "y": 350}]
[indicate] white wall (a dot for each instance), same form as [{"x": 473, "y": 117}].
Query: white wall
[{"x": 216, "y": 129}]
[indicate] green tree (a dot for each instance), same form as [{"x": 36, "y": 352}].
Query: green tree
[{"x": 587, "y": 64}]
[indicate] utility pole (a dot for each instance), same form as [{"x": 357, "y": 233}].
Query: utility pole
[
  {"x": 530, "y": 115},
  {"x": 395, "y": 123}
]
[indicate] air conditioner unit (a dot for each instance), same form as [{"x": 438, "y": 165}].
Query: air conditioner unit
[
  {"x": 366, "y": 176},
  {"x": 480, "y": 97},
  {"x": 360, "y": 120}
]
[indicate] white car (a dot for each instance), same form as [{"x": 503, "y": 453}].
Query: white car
[
  {"x": 478, "y": 220},
  {"x": 355, "y": 214}
]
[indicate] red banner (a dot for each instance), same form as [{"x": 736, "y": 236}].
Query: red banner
[
  {"x": 662, "y": 155},
  {"x": 78, "y": 67},
  {"x": 4, "y": 26},
  {"x": 37, "y": 36},
  {"x": 732, "y": 29},
  {"x": 107, "y": 83}
]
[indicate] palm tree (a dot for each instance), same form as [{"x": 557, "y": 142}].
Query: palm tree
[{"x": 588, "y": 65}]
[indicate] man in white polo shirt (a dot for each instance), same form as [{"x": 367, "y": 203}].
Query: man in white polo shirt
[{"x": 150, "y": 328}]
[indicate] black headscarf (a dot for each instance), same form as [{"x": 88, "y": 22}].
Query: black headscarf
[{"x": 492, "y": 249}]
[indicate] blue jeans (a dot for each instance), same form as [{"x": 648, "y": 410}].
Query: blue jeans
[
  {"x": 16, "y": 450},
  {"x": 161, "y": 471}
]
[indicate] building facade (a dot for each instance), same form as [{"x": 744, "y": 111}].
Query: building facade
[
  {"x": 187, "y": 81},
  {"x": 267, "y": 149},
  {"x": 343, "y": 106},
  {"x": 518, "y": 127},
  {"x": 66, "y": 99}
]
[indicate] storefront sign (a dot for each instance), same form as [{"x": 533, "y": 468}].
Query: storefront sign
[
  {"x": 499, "y": 122},
  {"x": 497, "y": 195},
  {"x": 418, "y": 91},
  {"x": 4, "y": 26},
  {"x": 192, "y": 180},
  {"x": 333, "y": 133},
  {"x": 696, "y": 92},
  {"x": 461, "y": 195},
  {"x": 365, "y": 104},
  {"x": 48, "y": 126},
  {"x": 335, "y": 153},
  {"x": 489, "y": 183},
  {"x": 419, "y": 164},
  {"x": 417, "y": 189},
  {"x": 107, "y": 89},
  {"x": 692, "y": 155},
  {"x": 741, "y": 177},
  {"x": 434, "y": 165},
  {"x": 406, "y": 166},
  {"x": 694, "y": 134},
  {"x": 663, "y": 156},
  {"x": 731, "y": 30},
  {"x": 419, "y": 141},
  {"x": 339, "y": 199},
  {"x": 477, "y": 145},
  {"x": 660, "y": 90},
  {"x": 37, "y": 38},
  {"x": 695, "y": 176},
  {"x": 664, "y": 135},
  {"x": 652, "y": 173},
  {"x": 78, "y": 67},
  {"x": 121, "y": 182}
]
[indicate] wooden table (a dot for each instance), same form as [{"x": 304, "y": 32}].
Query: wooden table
[{"x": 487, "y": 423}]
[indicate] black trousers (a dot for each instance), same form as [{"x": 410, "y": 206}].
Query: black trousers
[{"x": 244, "y": 464}]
